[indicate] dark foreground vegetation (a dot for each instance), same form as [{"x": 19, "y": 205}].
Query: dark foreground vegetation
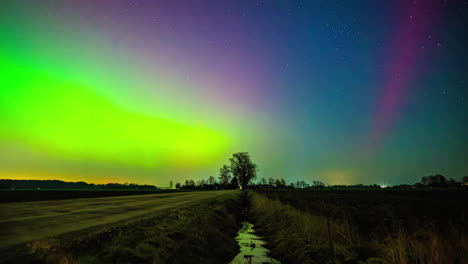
[
  {"x": 62, "y": 185},
  {"x": 197, "y": 233},
  {"x": 386, "y": 226},
  {"x": 364, "y": 226},
  {"x": 44, "y": 195},
  {"x": 42, "y": 190}
]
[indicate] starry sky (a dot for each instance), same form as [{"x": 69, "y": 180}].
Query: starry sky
[{"x": 148, "y": 91}]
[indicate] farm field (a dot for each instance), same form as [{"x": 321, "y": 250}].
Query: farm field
[
  {"x": 26, "y": 221},
  {"x": 373, "y": 210},
  {"x": 8, "y": 196},
  {"x": 235, "y": 132},
  {"x": 380, "y": 226}
]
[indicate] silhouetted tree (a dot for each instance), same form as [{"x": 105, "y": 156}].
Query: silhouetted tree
[
  {"x": 170, "y": 184},
  {"x": 283, "y": 183},
  {"x": 211, "y": 180},
  {"x": 56, "y": 184},
  {"x": 271, "y": 182},
  {"x": 263, "y": 181},
  {"x": 234, "y": 183},
  {"x": 177, "y": 185},
  {"x": 301, "y": 184},
  {"x": 436, "y": 180},
  {"x": 453, "y": 183},
  {"x": 202, "y": 184},
  {"x": 224, "y": 175},
  {"x": 243, "y": 168},
  {"x": 277, "y": 183},
  {"x": 318, "y": 184},
  {"x": 465, "y": 180},
  {"x": 189, "y": 183}
]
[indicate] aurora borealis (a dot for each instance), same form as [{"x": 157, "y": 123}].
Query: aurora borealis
[{"x": 151, "y": 91}]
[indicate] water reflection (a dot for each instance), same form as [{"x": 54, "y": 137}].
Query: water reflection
[{"x": 251, "y": 247}]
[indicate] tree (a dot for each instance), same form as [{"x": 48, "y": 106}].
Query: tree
[
  {"x": 436, "y": 180},
  {"x": 301, "y": 184},
  {"x": 465, "y": 180},
  {"x": 177, "y": 185},
  {"x": 271, "y": 182},
  {"x": 277, "y": 183},
  {"x": 211, "y": 180},
  {"x": 318, "y": 184},
  {"x": 263, "y": 181},
  {"x": 234, "y": 183},
  {"x": 170, "y": 184},
  {"x": 283, "y": 183},
  {"x": 453, "y": 183},
  {"x": 224, "y": 175},
  {"x": 243, "y": 168},
  {"x": 189, "y": 184}
]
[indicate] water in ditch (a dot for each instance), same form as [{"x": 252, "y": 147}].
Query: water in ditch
[{"x": 251, "y": 247}]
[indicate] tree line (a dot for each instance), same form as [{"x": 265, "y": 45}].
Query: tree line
[
  {"x": 241, "y": 172},
  {"x": 61, "y": 185}
]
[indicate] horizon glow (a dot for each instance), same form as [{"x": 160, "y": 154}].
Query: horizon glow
[{"x": 152, "y": 91}]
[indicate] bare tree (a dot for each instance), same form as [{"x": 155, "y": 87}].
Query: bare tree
[
  {"x": 224, "y": 175},
  {"x": 277, "y": 183},
  {"x": 318, "y": 184},
  {"x": 271, "y": 182},
  {"x": 301, "y": 184},
  {"x": 243, "y": 168},
  {"x": 190, "y": 183},
  {"x": 211, "y": 180},
  {"x": 283, "y": 182}
]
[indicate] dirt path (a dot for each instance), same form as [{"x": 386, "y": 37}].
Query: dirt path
[{"x": 27, "y": 221}]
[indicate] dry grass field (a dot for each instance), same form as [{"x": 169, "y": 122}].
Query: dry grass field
[{"x": 27, "y": 221}]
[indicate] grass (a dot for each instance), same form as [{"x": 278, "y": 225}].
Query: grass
[
  {"x": 297, "y": 237},
  {"x": 52, "y": 224},
  {"x": 362, "y": 227},
  {"x": 202, "y": 233},
  {"x": 197, "y": 232}
]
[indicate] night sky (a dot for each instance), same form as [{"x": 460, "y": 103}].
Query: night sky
[{"x": 149, "y": 91}]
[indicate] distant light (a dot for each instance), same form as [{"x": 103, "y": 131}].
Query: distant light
[{"x": 383, "y": 186}]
